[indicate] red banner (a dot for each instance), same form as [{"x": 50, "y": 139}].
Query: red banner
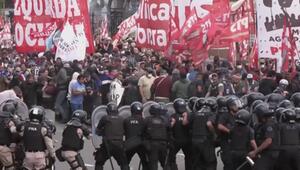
[
  {"x": 126, "y": 27},
  {"x": 33, "y": 16},
  {"x": 238, "y": 31},
  {"x": 153, "y": 24},
  {"x": 1, "y": 23}
]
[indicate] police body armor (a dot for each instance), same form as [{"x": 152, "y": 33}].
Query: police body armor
[
  {"x": 199, "y": 130},
  {"x": 289, "y": 135},
  {"x": 156, "y": 129},
  {"x": 33, "y": 138},
  {"x": 133, "y": 131},
  {"x": 113, "y": 129},
  {"x": 239, "y": 138},
  {"x": 260, "y": 131},
  {"x": 5, "y": 135},
  {"x": 71, "y": 140},
  {"x": 180, "y": 132}
]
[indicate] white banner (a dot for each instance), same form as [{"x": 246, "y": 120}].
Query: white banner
[
  {"x": 71, "y": 47},
  {"x": 270, "y": 26}
]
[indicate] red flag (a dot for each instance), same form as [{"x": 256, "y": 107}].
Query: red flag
[
  {"x": 288, "y": 47},
  {"x": 253, "y": 58}
]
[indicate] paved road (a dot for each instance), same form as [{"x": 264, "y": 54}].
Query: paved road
[{"x": 87, "y": 154}]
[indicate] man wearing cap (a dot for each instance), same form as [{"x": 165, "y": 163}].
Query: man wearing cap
[{"x": 145, "y": 83}]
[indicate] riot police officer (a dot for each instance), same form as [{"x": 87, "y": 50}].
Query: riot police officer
[
  {"x": 157, "y": 133},
  {"x": 266, "y": 137},
  {"x": 225, "y": 125},
  {"x": 72, "y": 140},
  {"x": 274, "y": 99},
  {"x": 289, "y": 141},
  {"x": 191, "y": 103},
  {"x": 7, "y": 129},
  {"x": 201, "y": 130},
  {"x": 36, "y": 140},
  {"x": 111, "y": 128},
  {"x": 180, "y": 134},
  {"x": 134, "y": 127},
  {"x": 296, "y": 99},
  {"x": 241, "y": 139},
  {"x": 252, "y": 97}
]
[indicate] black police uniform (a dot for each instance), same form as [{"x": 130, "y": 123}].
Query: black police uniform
[
  {"x": 5, "y": 134},
  {"x": 180, "y": 134},
  {"x": 240, "y": 144},
  {"x": 71, "y": 140},
  {"x": 268, "y": 157},
  {"x": 227, "y": 120},
  {"x": 111, "y": 128},
  {"x": 134, "y": 127},
  {"x": 32, "y": 132},
  {"x": 203, "y": 150},
  {"x": 157, "y": 136},
  {"x": 289, "y": 146}
]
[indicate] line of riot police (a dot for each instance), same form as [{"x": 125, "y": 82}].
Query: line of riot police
[
  {"x": 254, "y": 132},
  {"x": 25, "y": 143}
]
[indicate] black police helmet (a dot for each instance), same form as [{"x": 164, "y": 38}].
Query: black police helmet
[
  {"x": 243, "y": 117},
  {"x": 136, "y": 108},
  {"x": 212, "y": 103},
  {"x": 234, "y": 103},
  {"x": 263, "y": 110},
  {"x": 279, "y": 113},
  {"x": 191, "y": 103},
  {"x": 10, "y": 107},
  {"x": 199, "y": 104},
  {"x": 36, "y": 114},
  {"x": 163, "y": 108},
  {"x": 112, "y": 108},
  {"x": 155, "y": 109},
  {"x": 286, "y": 104},
  {"x": 296, "y": 99},
  {"x": 180, "y": 106},
  {"x": 253, "y": 97},
  {"x": 221, "y": 101},
  {"x": 274, "y": 99},
  {"x": 255, "y": 103},
  {"x": 81, "y": 115},
  {"x": 290, "y": 115}
]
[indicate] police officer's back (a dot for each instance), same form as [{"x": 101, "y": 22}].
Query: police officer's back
[
  {"x": 111, "y": 128},
  {"x": 7, "y": 129},
  {"x": 36, "y": 140},
  {"x": 72, "y": 140},
  {"x": 266, "y": 137},
  {"x": 180, "y": 134},
  {"x": 202, "y": 136},
  {"x": 134, "y": 127},
  {"x": 241, "y": 139},
  {"x": 225, "y": 124},
  {"x": 289, "y": 141},
  {"x": 156, "y": 136}
]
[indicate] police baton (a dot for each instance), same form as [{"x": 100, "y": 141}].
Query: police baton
[{"x": 248, "y": 160}]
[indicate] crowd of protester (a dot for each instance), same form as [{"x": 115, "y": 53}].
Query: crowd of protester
[{"x": 40, "y": 79}]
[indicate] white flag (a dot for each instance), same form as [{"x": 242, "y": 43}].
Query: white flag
[{"x": 71, "y": 46}]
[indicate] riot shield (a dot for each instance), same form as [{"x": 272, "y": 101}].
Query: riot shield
[
  {"x": 125, "y": 111},
  {"x": 97, "y": 114},
  {"x": 147, "y": 107},
  {"x": 171, "y": 109},
  {"x": 22, "y": 109}
]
